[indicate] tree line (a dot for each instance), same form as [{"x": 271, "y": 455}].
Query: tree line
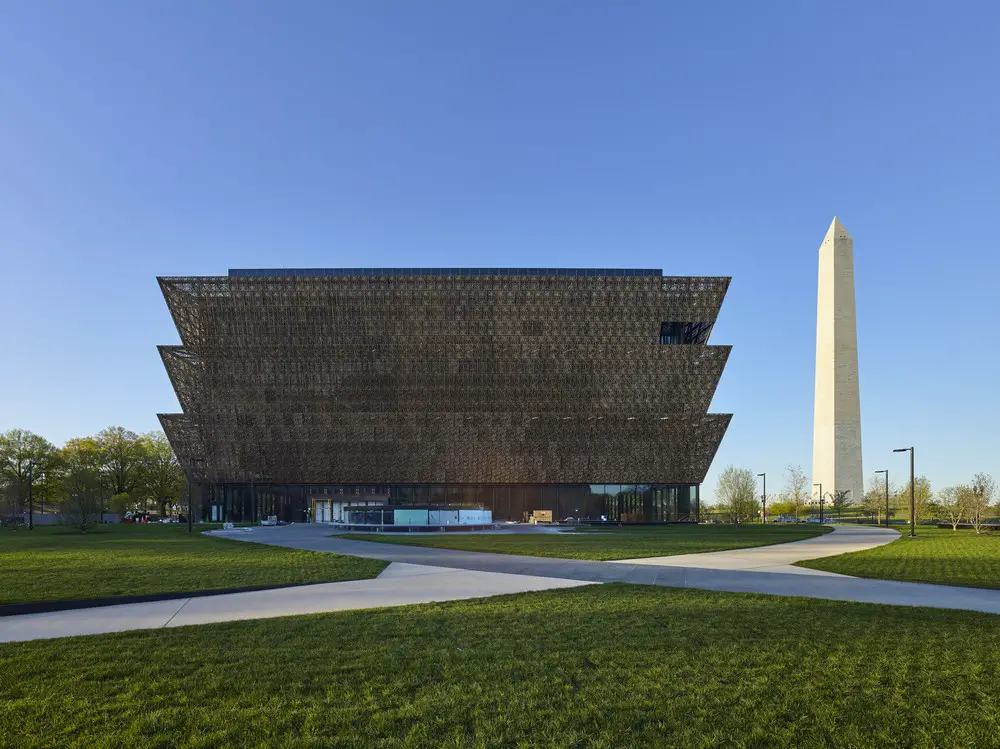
[
  {"x": 738, "y": 500},
  {"x": 115, "y": 470}
]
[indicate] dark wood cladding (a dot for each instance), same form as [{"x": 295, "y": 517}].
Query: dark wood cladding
[{"x": 444, "y": 379}]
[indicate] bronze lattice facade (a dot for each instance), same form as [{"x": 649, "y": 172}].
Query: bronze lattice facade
[{"x": 396, "y": 378}]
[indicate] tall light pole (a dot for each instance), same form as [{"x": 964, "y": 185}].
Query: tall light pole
[
  {"x": 913, "y": 504},
  {"x": 190, "y": 478},
  {"x": 763, "y": 497},
  {"x": 31, "y": 481},
  {"x": 820, "y": 485},
  {"x": 886, "y": 472}
]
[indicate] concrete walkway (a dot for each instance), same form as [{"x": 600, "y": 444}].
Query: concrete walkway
[
  {"x": 424, "y": 575},
  {"x": 781, "y": 557},
  {"x": 398, "y": 585},
  {"x": 746, "y": 577}
]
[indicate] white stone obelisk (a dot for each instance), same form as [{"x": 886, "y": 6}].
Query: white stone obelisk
[{"x": 837, "y": 415}]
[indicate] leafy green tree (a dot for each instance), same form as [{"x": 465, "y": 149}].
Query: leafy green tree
[
  {"x": 10, "y": 500},
  {"x": 46, "y": 489},
  {"x": 840, "y": 499},
  {"x": 737, "y": 495},
  {"x": 924, "y": 505},
  {"x": 163, "y": 476},
  {"x": 82, "y": 487},
  {"x": 85, "y": 454},
  {"x": 124, "y": 460},
  {"x": 25, "y": 457},
  {"x": 781, "y": 508}
]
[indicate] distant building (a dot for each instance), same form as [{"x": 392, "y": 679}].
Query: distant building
[
  {"x": 837, "y": 422},
  {"x": 580, "y": 391}
]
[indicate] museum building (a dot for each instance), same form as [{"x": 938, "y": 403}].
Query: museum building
[{"x": 310, "y": 393}]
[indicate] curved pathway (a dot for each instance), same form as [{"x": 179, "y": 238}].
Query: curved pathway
[
  {"x": 398, "y": 585},
  {"x": 780, "y": 557},
  {"x": 758, "y": 570},
  {"x": 421, "y": 575}
]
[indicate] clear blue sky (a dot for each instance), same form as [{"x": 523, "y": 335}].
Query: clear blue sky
[{"x": 146, "y": 138}]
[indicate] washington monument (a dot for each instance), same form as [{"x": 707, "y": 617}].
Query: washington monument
[{"x": 837, "y": 416}]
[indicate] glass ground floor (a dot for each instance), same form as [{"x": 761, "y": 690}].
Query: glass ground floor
[{"x": 298, "y": 503}]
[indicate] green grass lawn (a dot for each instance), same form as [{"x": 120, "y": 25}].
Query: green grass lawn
[
  {"x": 601, "y": 666},
  {"x": 52, "y": 564},
  {"x": 936, "y": 555},
  {"x": 609, "y": 543}
]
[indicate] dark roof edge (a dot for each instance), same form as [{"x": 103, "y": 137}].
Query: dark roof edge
[{"x": 242, "y": 272}]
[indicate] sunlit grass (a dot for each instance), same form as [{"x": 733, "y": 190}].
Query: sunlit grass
[
  {"x": 606, "y": 543},
  {"x": 936, "y": 555},
  {"x": 600, "y": 666},
  {"x": 51, "y": 564}
]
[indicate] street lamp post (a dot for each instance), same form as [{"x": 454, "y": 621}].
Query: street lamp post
[
  {"x": 913, "y": 504},
  {"x": 820, "y": 485},
  {"x": 31, "y": 482},
  {"x": 763, "y": 497},
  {"x": 886, "y": 472},
  {"x": 190, "y": 478}
]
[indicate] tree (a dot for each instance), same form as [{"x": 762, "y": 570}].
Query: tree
[
  {"x": 163, "y": 477},
  {"x": 781, "y": 508},
  {"x": 796, "y": 490},
  {"x": 923, "y": 500},
  {"x": 85, "y": 453},
  {"x": 24, "y": 459},
  {"x": 953, "y": 503},
  {"x": 10, "y": 500},
  {"x": 123, "y": 504},
  {"x": 839, "y": 499},
  {"x": 704, "y": 509},
  {"x": 874, "y": 503},
  {"x": 124, "y": 454},
  {"x": 979, "y": 500},
  {"x": 82, "y": 504},
  {"x": 50, "y": 479},
  {"x": 875, "y": 500},
  {"x": 737, "y": 494}
]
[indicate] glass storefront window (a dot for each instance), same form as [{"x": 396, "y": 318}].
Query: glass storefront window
[{"x": 612, "y": 502}]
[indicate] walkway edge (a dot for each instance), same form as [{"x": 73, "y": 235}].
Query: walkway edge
[{"x": 45, "y": 607}]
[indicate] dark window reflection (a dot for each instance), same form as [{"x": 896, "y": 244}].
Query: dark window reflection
[{"x": 625, "y": 503}]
